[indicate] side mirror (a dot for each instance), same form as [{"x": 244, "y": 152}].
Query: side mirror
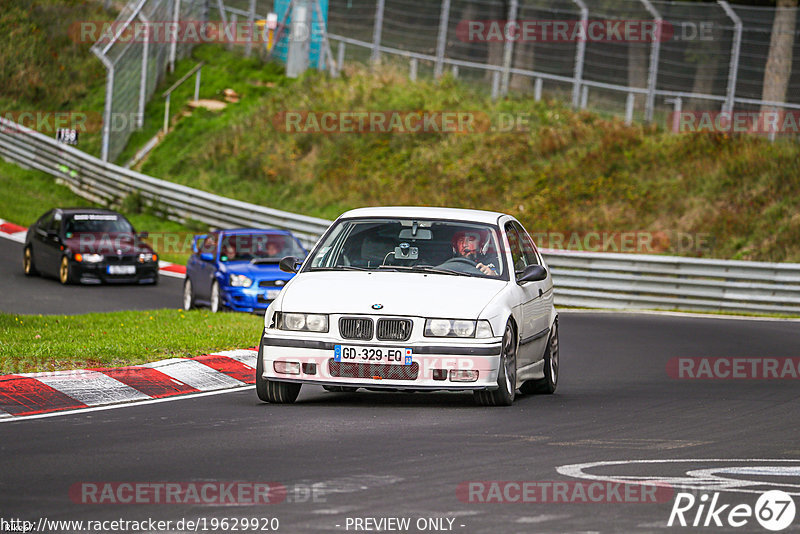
[
  {"x": 289, "y": 264},
  {"x": 143, "y": 235},
  {"x": 207, "y": 256},
  {"x": 195, "y": 241},
  {"x": 533, "y": 273},
  {"x": 53, "y": 235}
]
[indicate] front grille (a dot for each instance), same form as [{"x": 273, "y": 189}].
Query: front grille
[
  {"x": 121, "y": 260},
  {"x": 271, "y": 283},
  {"x": 355, "y": 328},
  {"x": 394, "y": 329},
  {"x": 371, "y": 370}
]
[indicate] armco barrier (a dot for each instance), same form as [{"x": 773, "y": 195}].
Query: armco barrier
[
  {"x": 594, "y": 280},
  {"x": 100, "y": 181}
]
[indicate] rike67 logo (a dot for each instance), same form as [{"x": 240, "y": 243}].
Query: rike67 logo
[{"x": 774, "y": 510}]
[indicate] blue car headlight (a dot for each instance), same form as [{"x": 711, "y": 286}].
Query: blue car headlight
[{"x": 239, "y": 280}]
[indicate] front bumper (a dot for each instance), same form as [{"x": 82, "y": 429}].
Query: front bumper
[
  {"x": 97, "y": 273},
  {"x": 434, "y": 365},
  {"x": 249, "y": 299}
]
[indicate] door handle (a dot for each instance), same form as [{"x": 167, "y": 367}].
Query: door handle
[{"x": 541, "y": 292}]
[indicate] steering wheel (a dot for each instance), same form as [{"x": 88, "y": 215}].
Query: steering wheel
[{"x": 460, "y": 261}]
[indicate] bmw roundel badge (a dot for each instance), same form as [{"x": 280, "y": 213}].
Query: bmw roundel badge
[{"x": 377, "y": 306}]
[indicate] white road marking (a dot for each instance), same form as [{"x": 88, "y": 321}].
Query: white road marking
[
  {"x": 79, "y": 411},
  {"x": 194, "y": 374},
  {"x": 702, "y": 479},
  {"x": 245, "y": 356},
  {"x": 89, "y": 387},
  {"x": 539, "y": 518}
]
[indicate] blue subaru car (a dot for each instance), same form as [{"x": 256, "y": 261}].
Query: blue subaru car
[{"x": 238, "y": 269}]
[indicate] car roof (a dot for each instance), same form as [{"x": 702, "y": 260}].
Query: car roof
[
  {"x": 420, "y": 212},
  {"x": 96, "y": 211}
]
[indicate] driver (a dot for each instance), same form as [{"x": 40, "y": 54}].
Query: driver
[{"x": 467, "y": 244}]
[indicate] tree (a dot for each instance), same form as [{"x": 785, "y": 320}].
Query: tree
[{"x": 779, "y": 61}]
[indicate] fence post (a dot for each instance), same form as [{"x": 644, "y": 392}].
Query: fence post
[
  {"x": 580, "y": 53},
  {"x": 143, "y": 79},
  {"x": 441, "y": 43},
  {"x": 733, "y": 69},
  {"x": 584, "y": 97},
  {"x": 251, "y": 22},
  {"x": 340, "y": 56},
  {"x": 197, "y": 85},
  {"x": 377, "y": 32},
  {"x": 629, "y": 103},
  {"x": 109, "y": 101},
  {"x": 677, "y": 103},
  {"x": 412, "y": 69},
  {"x": 655, "y": 51},
  {"x": 495, "y": 84},
  {"x": 508, "y": 48},
  {"x": 173, "y": 47},
  {"x": 537, "y": 89}
]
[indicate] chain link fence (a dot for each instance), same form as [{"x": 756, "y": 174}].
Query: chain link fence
[
  {"x": 135, "y": 63},
  {"x": 707, "y": 56}
]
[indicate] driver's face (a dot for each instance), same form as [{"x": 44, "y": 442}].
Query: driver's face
[{"x": 467, "y": 245}]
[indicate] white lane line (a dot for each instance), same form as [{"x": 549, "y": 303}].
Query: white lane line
[
  {"x": 89, "y": 387},
  {"x": 194, "y": 374},
  {"x": 79, "y": 411},
  {"x": 245, "y": 356}
]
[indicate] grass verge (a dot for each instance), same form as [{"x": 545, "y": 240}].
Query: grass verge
[{"x": 51, "y": 343}]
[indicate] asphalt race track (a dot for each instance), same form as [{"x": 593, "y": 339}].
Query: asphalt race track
[
  {"x": 35, "y": 295},
  {"x": 346, "y": 456}
]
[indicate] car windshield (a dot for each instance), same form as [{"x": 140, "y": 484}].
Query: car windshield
[
  {"x": 259, "y": 247},
  {"x": 424, "y": 245},
  {"x": 97, "y": 223}
]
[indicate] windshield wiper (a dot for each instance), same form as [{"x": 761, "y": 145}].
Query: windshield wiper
[
  {"x": 423, "y": 268},
  {"x": 341, "y": 268}
]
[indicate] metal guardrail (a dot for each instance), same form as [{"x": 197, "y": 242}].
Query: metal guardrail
[
  {"x": 105, "y": 182},
  {"x": 594, "y": 280}
]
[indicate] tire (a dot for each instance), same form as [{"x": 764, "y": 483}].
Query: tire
[
  {"x": 506, "y": 375},
  {"x": 549, "y": 383},
  {"x": 271, "y": 391},
  {"x": 216, "y": 298},
  {"x": 188, "y": 295},
  {"x": 28, "y": 266},
  {"x": 64, "y": 275},
  {"x": 340, "y": 389}
]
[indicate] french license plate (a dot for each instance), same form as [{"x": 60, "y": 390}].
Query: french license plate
[
  {"x": 272, "y": 294},
  {"x": 344, "y": 353},
  {"x": 121, "y": 269}
]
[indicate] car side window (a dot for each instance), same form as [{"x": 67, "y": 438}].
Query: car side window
[
  {"x": 516, "y": 249},
  {"x": 528, "y": 248},
  {"x": 209, "y": 245},
  {"x": 54, "y": 224}
]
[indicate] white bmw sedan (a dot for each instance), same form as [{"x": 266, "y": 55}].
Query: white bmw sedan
[{"x": 417, "y": 299}]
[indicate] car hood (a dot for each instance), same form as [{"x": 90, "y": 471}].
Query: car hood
[{"x": 400, "y": 293}]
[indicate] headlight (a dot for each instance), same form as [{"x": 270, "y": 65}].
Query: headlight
[
  {"x": 89, "y": 258},
  {"x": 147, "y": 257},
  {"x": 457, "y": 328},
  {"x": 306, "y": 322},
  {"x": 240, "y": 280}
]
